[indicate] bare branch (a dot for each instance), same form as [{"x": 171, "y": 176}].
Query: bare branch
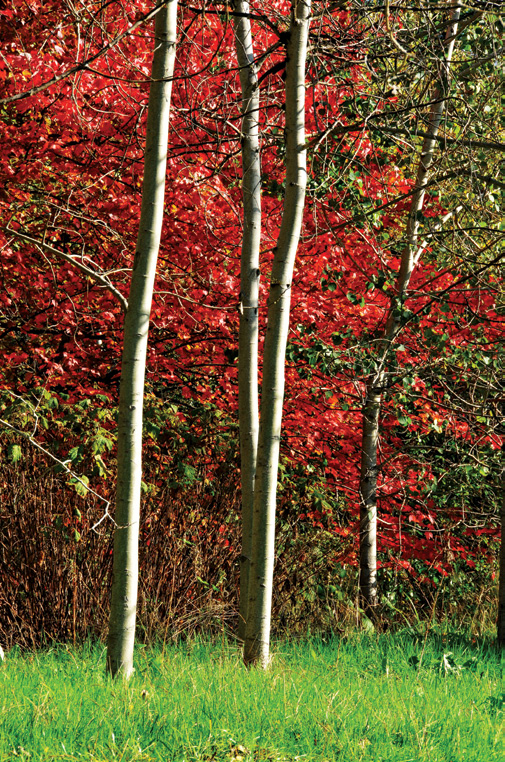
[
  {"x": 339, "y": 129},
  {"x": 62, "y": 463},
  {"x": 97, "y": 276},
  {"x": 491, "y": 144},
  {"x": 84, "y": 64}
]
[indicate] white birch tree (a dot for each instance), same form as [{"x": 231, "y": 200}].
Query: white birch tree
[
  {"x": 501, "y": 583},
  {"x": 257, "y": 636},
  {"x": 375, "y": 385},
  {"x": 249, "y": 288},
  {"x": 136, "y": 327}
]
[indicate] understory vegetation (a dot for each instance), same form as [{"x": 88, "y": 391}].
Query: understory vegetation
[
  {"x": 56, "y": 557},
  {"x": 434, "y": 697}
]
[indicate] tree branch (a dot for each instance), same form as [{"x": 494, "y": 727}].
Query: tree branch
[
  {"x": 339, "y": 129},
  {"x": 445, "y": 139},
  {"x": 84, "y": 64},
  {"x": 99, "y": 277},
  {"x": 61, "y": 463}
]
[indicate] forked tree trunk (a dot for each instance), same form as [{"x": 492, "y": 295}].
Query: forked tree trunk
[
  {"x": 249, "y": 288},
  {"x": 375, "y": 386},
  {"x": 257, "y": 640},
  {"x": 125, "y": 566}
]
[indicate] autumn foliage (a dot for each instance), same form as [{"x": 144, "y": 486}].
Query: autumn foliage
[{"x": 70, "y": 175}]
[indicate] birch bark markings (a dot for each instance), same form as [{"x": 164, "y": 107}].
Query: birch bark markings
[
  {"x": 257, "y": 639},
  {"x": 374, "y": 390},
  {"x": 125, "y": 566},
  {"x": 501, "y": 581},
  {"x": 249, "y": 289}
]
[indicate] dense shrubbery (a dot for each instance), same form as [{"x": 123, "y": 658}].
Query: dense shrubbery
[{"x": 56, "y": 568}]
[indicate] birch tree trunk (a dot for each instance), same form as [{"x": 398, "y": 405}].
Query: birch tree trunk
[
  {"x": 375, "y": 386},
  {"x": 501, "y": 584},
  {"x": 125, "y": 567},
  {"x": 249, "y": 288},
  {"x": 257, "y": 640}
]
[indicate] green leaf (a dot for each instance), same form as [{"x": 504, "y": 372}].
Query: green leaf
[
  {"x": 75, "y": 454},
  {"x": 152, "y": 429},
  {"x": 101, "y": 443},
  {"x": 102, "y": 469},
  {"x": 15, "y": 453},
  {"x": 80, "y": 485}
]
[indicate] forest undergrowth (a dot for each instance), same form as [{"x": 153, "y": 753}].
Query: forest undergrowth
[
  {"x": 55, "y": 569},
  {"x": 400, "y": 697}
]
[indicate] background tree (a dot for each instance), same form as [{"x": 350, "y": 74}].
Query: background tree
[
  {"x": 501, "y": 592},
  {"x": 409, "y": 259}
]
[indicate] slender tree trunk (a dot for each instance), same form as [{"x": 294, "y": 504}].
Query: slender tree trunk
[
  {"x": 375, "y": 386},
  {"x": 257, "y": 640},
  {"x": 249, "y": 288},
  {"x": 501, "y": 587},
  {"x": 368, "y": 498},
  {"x": 125, "y": 568}
]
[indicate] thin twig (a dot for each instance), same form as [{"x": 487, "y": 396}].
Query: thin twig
[{"x": 97, "y": 276}]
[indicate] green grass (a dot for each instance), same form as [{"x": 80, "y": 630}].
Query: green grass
[{"x": 387, "y": 697}]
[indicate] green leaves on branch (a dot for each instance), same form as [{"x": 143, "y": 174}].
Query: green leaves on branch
[{"x": 79, "y": 484}]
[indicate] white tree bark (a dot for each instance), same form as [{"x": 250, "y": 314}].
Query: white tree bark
[
  {"x": 375, "y": 386},
  {"x": 501, "y": 582},
  {"x": 125, "y": 568},
  {"x": 257, "y": 640},
  {"x": 249, "y": 288}
]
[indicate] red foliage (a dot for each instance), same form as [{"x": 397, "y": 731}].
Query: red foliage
[{"x": 70, "y": 173}]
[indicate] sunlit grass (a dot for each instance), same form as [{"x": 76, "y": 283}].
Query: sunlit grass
[{"x": 388, "y": 697}]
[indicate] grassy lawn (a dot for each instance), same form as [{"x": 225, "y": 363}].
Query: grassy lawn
[{"x": 387, "y": 697}]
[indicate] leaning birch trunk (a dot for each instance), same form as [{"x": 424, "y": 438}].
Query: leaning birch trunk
[
  {"x": 375, "y": 386},
  {"x": 125, "y": 567},
  {"x": 249, "y": 287},
  {"x": 257, "y": 640}
]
